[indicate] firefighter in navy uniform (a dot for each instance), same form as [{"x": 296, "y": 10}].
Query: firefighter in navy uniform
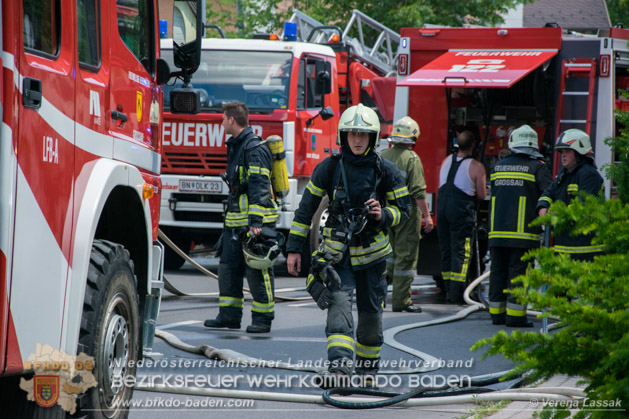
[
  {"x": 367, "y": 195},
  {"x": 517, "y": 182},
  {"x": 251, "y": 212},
  {"x": 577, "y": 174},
  {"x": 461, "y": 184}
]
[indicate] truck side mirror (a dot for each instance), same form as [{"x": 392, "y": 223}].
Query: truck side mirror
[
  {"x": 327, "y": 113},
  {"x": 188, "y": 29},
  {"x": 324, "y": 77},
  {"x": 162, "y": 75}
]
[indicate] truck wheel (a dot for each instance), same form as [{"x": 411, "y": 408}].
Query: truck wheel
[
  {"x": 110, "y": 329},
  {"x": 315, "y": 236},
  {"x": 172, "y": 260}
]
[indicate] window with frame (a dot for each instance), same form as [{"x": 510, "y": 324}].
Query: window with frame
[
  {"x": 135, "y": 25},
  {"x": 41, "y": 26},
  {"x": 88, "y": 29},
  {"x": 307, "y": 95}
]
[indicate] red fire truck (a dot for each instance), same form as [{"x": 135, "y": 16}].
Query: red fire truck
[
  {"x": 281, "y": 83},
  {"x": 80, "y": 264},
  {"x": 490, "y": 80}
]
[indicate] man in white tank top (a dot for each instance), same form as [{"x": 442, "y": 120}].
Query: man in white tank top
[{"x": 459, "y": 189}]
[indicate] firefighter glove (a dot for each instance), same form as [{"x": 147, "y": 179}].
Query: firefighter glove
[{"x": 321, "y": 294}]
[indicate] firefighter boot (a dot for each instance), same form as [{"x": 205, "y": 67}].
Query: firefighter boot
[
  {"x": 498, "y": 319},
  {"x": 338, "y": 376},
  {"x": 218, "y": 323},
  {"x": 518, "y": 321},
  {"x": 259, "y": 328}
]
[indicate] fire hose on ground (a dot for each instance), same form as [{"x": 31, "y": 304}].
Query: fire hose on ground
[
  {"x": 170, "y": 287},
  {"x": 419, "y": 396}
]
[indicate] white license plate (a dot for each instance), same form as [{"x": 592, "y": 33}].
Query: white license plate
[{"x": 201, "y": 186}]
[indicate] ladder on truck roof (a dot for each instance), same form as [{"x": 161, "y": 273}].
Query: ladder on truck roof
[
  {"x": 381, "y": 54},
  {"x": 570, "y": 69}
]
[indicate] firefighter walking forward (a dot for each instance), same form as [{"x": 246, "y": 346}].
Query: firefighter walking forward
[
  {"x": 462, "y": 182},
  {"x": 402, "y": 266},
  {"x": 517, "y": 182},
  {"x": 577, "y": 174},
  {"x": 249, "y": 206},
  {"x": 367, "y": 195}
]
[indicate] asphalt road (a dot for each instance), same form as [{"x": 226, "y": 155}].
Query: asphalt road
[{"x": 297, "y": 336}]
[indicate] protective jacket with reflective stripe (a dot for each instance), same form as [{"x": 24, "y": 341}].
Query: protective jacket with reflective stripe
[
  {"x": 584, "y": 177},
  {"x": 249, "y": 178},
  {"x": 372, "y": 244},
  {"x": 517, "y": 182}
]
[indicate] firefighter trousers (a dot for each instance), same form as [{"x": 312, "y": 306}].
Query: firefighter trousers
[
  {"x": 455, "y": 227},
  {"x": 231, "y": 269},
  {"x": 506, "y": 264},
  {"x": 402, "y": 265},
  {"x": 371, "y": 290}
]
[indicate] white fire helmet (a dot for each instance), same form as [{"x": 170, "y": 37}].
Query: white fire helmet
[
  {"x": 405, "y": 131},
  {"x": 576, "y": 140},
  {"x": 524, "y": 140}
]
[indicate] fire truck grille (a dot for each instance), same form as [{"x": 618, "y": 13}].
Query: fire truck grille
[
  {"x": 194, "y": 163},
  {"x": 199, "y": 216},
  {"x": 190, "y": 197}
]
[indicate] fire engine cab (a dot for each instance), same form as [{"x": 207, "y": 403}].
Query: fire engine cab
[
  {"x": 296, "y": 89},
  {"x": 492, "y": 80},
  {"x": 80, "y": 264}
]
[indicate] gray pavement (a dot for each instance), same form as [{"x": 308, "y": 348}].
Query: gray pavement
[{"x": 298, "y": 336}]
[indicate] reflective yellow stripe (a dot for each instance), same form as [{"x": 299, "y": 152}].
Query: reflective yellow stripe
[
  {"x": 380, "y": 240},
  {"x": 516, "y": 313},
  {"x": 256, "y": 170},
  {"x": 579, "y": 249},
  {"x": 342, "y": 341},
  {"x": 243, "y": 203},
  {"x": 309, "y": 280},
  {"x": 493, "y": 210},
  {"x": 395, "y": 213},
  {"x": 497, "y": 310},
  {"x": 257, "y": 210},
  {"x": 521, "y": 214},
  {"x": 545, "y": 199},
  {"x": 263, "y": 307},
  {"x": 236, "y": 219},
  {"x": 315, "y": 190},
  {"x": 573, "y": 187},
  {"x": 398, "y": 193},
  {"x": 466, "y": 260},
  {"x": 299, "y": 229},
  {"x": 268, "y": 286},
  {"x": 372, "y": 352},
  {"x": 512, "y": 235},
  {"x": 512, "y": 175},
  {"x": 231, "y": 302}
]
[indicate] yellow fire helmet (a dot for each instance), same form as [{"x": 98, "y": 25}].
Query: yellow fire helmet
[
  {"x": 405, "y": 131},
  {"x": 524, "y": 140},
  {"x": 260, "y": 253},
  {"x": 359, "y": 118},
  {"x": 575, "y": 139}
]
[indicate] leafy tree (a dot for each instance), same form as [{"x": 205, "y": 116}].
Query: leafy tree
[
  {"x": 251, "y": 16},
  {"x": 618, "y": 12},
  {"x": 590, "y": 298}
]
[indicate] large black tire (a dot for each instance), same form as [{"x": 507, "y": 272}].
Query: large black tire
[
  {"x": 109, "y": 329},
  {"x": 172, "y": 261}
]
